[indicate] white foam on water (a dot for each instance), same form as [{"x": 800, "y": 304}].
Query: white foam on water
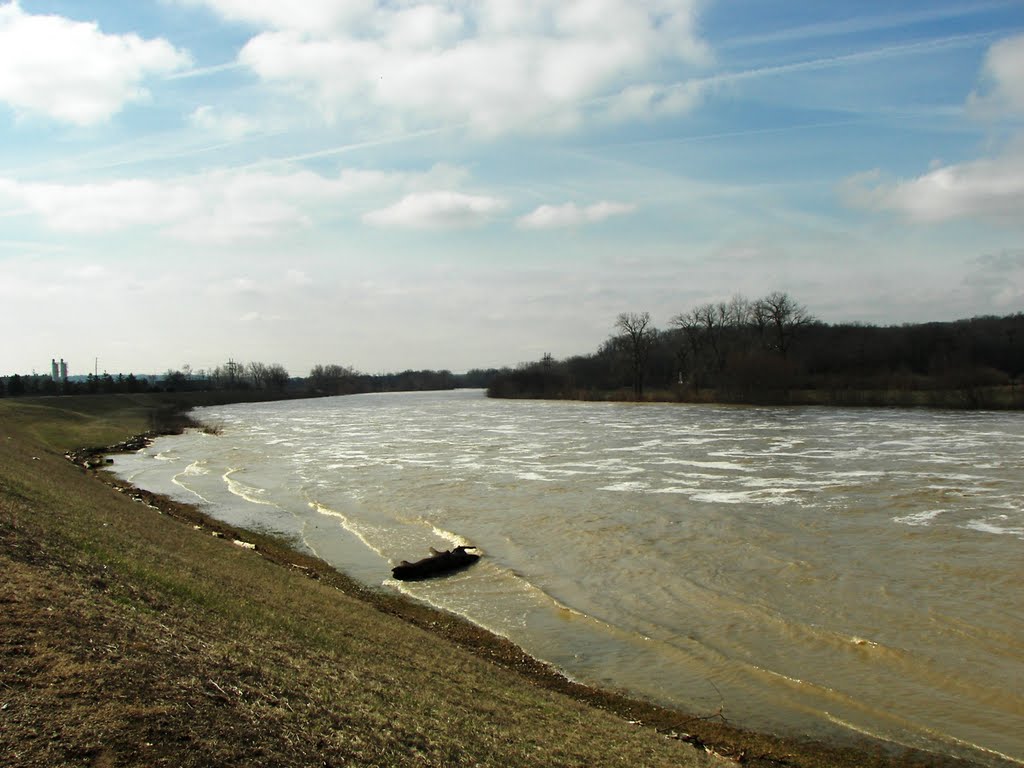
[
  {"x": 532, "y": 476},
  {"x": 416, "y": 591},
  {"x": 872, "y": 733},
  {"x": 910, "y": 743},
  {"x": 764, "y": 505},
  {"x": 190, "y": 471},
  {"x": 986, "y": 526},
  {"x": 948, "y": 477},
  {"x": 626, "y": 485},
  {"x": 596, "y": 465},
  {"x": 449, "y": 536},
  {"x": 729, "y": 465},
  {"x": 348, "y": 525},
  {"x": 569, "y": 472},
  {"x": 128, "y": 476},
  {"x": 692, "y": 477},
  {"x": 726, "y": 497},
  {"x": 789, "y": 484},
  {"x": 468, "y": 463},
  {"x": 919, "y": 518},
  {"x": 243, "y": 491},
  {"x": 862, "y": 642},
  {"x": 419, "y": 461}
]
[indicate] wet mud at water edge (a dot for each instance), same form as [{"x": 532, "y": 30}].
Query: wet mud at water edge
[{"x": 817, "y": 572}]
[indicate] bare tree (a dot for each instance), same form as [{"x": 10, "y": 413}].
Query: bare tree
[
  {"x": 692, "y": 351},
  {"x": 234, "y": 371},
  {"x": 760, "y": 318},
  {"x": 277, "y": 376},
  {"x": 637, "y": 335},
  {"x": 228, "y": 376},
  {"x": 739, "y": 318},
  {"x": 333, "y": 379},
  {"x": 258, "y": 374},
  {"x": 783, "y": 317},
  {"x": 174, "y": 379},
  {"x": 715, "y": 318}
]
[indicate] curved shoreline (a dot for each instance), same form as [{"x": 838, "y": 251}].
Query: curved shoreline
[{"x": 712, "y": 732}]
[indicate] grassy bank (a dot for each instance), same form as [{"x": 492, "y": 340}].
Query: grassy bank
[{"x": 135, "y": 631}]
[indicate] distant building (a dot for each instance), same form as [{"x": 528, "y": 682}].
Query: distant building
[{"x": 58, "y": 371}]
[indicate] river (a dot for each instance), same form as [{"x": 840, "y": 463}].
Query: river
[{"x": 813, "y": 571}]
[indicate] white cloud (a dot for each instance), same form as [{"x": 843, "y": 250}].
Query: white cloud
[
  {"x": 104, "y": 207},
  {"x": 219, "y": 206},
  {"x": 87, "y": 272},
  {"x": 990, "y": 188},
  {"x": 297, "y": 278},
  {"x": 247, "y": 204},
  {"x": 987, "y": 188},
  {"x": 1004, "y": 80},
  {"x": 228, "y": 125},
  {"x": 652, "y": 100},
  {"x": 497, "y": 66},
  {"x": 436, "y": 210},
  {"x": 259, "y": 317},
  {"x": 240, "y": 215},
  {"x": 72, "y": 71},
  {"x": 310, "y": 15},
  {"x": 423, "y": 27},
  {"x": 236, "y": 286},
  {"x": 572, "y": 215},
  {"x": 997, "y": 280}
]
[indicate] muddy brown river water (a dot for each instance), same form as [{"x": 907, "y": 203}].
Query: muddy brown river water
[{"x": 814, "y": 571}]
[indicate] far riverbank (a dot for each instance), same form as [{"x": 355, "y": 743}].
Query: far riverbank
[{"x": 996, "y": 398}]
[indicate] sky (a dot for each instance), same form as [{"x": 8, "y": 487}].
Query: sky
[{"x": 458, "y": 184}]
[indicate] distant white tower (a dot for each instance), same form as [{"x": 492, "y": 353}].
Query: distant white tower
[
  {"x": 63, "y": 370},
  {"x": 54, "y": 371}
]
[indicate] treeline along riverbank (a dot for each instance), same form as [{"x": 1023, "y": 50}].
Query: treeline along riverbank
[
  {"x": 772, "y": 351},
  {"x": 246, "y": 381}
]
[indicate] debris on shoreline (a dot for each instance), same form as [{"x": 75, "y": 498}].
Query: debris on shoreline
[{"x": 97, "y": 457}]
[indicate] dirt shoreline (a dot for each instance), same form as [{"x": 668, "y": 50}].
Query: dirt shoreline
[{"x": 710, "y": 731}]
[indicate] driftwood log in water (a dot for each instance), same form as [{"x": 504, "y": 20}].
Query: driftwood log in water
[{"x": 438, "y": 564}]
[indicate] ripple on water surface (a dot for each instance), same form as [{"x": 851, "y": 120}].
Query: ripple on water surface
[{"x": 819, "y": 571}]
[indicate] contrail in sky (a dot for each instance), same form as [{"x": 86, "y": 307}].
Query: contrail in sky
[
  {"x": 854, "y": 25},
  {"x": 351, "y": 147},
  {"x": 203, "y": 71},
  {"x": 874, "y": 54}
]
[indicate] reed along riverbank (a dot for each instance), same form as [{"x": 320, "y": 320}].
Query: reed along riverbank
[{"x": 133, "y": 635}]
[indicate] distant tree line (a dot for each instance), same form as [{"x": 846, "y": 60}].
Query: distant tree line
[
  {"x": 37, "y": 384},
  {"x": 232, "y": 375},
  {"x": 271, "y": 378},
  {"x": 343, "y": 380},
  {"x": 767, "y": 350},
  {"x": 772, "y": 350}
]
